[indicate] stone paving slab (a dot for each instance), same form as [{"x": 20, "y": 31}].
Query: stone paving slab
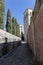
[{"x": 22, "y": 56}]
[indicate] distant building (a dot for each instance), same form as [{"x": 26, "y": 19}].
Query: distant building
[
  {"x": 21, "y": 27},
  {"x": 27, "y": 16}
]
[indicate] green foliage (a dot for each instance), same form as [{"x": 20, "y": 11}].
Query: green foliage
[
  {"x": 15, "y": 27},
  {"x": 9, "y": 22},
  {"x": 12, "y": 25},
  {"x": 2, "y": 10}
]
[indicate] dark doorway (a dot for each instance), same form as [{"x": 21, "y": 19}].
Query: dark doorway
[{"x": 22, "y": 36}]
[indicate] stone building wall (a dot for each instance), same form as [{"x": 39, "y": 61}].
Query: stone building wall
[
  {"x": 30, "y": 36},
  {"x": 35, "y": 32},
  {"x": 39, "y": 34}
]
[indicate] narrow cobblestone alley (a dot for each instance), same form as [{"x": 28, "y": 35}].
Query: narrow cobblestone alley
[{"x": 21, "y": 56}]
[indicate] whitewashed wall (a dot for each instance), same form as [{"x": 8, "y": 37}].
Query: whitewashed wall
[{"x": 10, "y": 37}]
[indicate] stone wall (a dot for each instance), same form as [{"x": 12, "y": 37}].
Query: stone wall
[
  {"x": 35, "y": 34},
  {"x": 30, "y": 39},
  {"x": 5, "y": 48},
  {"x": 39, "y": 34}
]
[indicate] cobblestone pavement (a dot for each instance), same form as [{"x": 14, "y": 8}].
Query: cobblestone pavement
[{"x": 21, "y": 56}]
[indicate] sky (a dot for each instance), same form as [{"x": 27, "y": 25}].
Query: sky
[{"x": 17, "y": 8}]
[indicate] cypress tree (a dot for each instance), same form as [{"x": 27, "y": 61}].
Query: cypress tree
[
  {"x": 9, "y": 22},
  {"x": 2, "y": 10},
  {"x": 15, "y": 27}
]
